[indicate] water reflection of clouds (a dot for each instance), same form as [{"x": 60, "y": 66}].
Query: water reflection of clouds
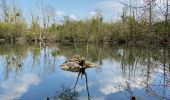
[
  {"x": 69, "y": 74},
  {"x": 16, "y": 88},
  {"x": 106, "y": 80},
  {"x": 82, "y": 87},
  {"x": 94, "y": 98},
  {"x": 73, "y": 77},
  {"x": 109, "y": 78}
]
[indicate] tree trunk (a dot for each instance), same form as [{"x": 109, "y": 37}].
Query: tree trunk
[{"x": 166, "y": 19}]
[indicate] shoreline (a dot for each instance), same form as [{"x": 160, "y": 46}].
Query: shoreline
[{"x": 46, "y": 42}]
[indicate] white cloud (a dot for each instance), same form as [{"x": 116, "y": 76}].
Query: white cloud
[
  {"x": 60, "y": 13},
  {"x": 73, "y": 17},
  {"x": 93, "y": 13},
  {"x": 111, "y": 8},
  {"x": 14, "y": 90},
  {"x": 110, "y": 5}
]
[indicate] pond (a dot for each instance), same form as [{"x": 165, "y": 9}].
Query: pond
[{"x": 32, "y": 72}]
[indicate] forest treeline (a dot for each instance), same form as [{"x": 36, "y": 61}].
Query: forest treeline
[{"x": 137, "y": 24}]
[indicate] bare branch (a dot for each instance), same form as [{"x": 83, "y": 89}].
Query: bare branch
[{"x": 136, "y": 6}]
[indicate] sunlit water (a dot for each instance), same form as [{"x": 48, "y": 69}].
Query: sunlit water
[{"x": 32, "y": 72}]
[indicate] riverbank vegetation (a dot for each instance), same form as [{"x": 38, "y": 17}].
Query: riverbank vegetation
[{"x": 137, "y": 24}]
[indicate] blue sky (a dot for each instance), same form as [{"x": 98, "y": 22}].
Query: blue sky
[{"x": 77, "y": 9}]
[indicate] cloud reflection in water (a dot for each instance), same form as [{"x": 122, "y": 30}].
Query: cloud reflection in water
[{"x": 16, "y": 88}]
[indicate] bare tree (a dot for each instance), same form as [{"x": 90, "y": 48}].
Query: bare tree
[
  {"x": 50, "y": 14},
  {"x": 164, "y": 10},
  {"x": 5, "y": 10},
  {"x": 167, "y": 15}
]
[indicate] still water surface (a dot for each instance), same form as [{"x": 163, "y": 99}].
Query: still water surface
[{"x": 32, "y": 72}]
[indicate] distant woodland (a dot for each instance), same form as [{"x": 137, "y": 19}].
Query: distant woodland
[{"x": 146, "y": 23}]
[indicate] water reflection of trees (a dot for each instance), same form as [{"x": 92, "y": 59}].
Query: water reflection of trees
[
  {"x": 66, "y": 93},
  {"x": 71, "y": 93},
  {"x": 35, "y": 57},
  {"x": 128, "y": 56},
  {"x": 13, "y": 56},
  {"x": 151, "y": 61},
  {"x": 43, "y": 59}
]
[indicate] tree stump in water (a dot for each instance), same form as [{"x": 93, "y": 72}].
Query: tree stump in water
[{"x": 75, "y": 63}]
